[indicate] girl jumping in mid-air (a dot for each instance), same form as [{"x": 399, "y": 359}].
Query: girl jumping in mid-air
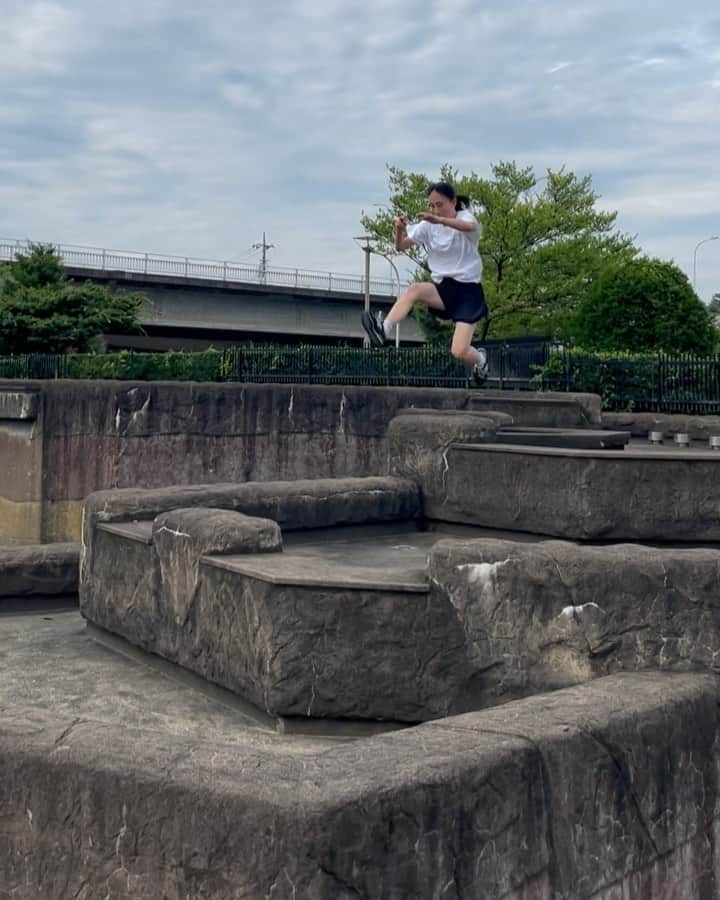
[{"x": 449, "y": 234}]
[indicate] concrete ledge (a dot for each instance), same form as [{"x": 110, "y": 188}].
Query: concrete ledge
[
  {"x": 575, "y": 494},
  {"x": 39, "y": 570},
  {"x": 605, "y": 790}
]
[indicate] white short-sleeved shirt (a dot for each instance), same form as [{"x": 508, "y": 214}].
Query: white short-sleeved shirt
[{"x": 450, "y": 253}]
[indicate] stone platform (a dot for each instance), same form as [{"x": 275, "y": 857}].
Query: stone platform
[
  {"x": 573, "y": 492},
  {"x": 296, "y": 633},
  {"x": 120, "y": 782}
]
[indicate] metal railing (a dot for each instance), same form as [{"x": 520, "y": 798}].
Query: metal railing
[{"x": 102, "y": 260}]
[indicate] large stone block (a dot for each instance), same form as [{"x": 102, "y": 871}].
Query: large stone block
[
  {"x": 39, "y": 570},
  {"x": 298, "y": 635},
  {"x": 545, "y": 615},
  {"x": 310, "y": 503},
  {"x": 542, "y": 409},
  {"x": 607, "y": 790},
  {"x": 301, "y": 636},
  {"x": 576, "y": 494},
  {"x": 182, "y": 537},
  {"x": 419, "y": 441}
]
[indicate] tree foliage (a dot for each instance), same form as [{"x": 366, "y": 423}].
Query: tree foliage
[
  {"x": 644, "y": 304},
  {"x": 41, "y": 311},
  {"x": 544, "y": 241}
]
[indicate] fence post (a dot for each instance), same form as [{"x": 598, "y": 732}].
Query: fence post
[
  {"x": 660, "y": 376},
  {"x": 186, "y": 267},
  {"x": 566, "y": 369},
  {"x": 146, "y": 265},
  {"x": 104, "y": 260}
]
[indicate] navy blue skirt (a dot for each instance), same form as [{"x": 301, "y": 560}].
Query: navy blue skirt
[{"x": 464, "y": 301}]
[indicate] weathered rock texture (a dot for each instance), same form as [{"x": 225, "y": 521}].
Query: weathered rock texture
[
  {"x": 38, "y": 570},
  {"x": 545, "y": 615},
  {"x": 541, "y": 408},
  {"x": 343, "y": 650},
  {"x": 304, "y": 504},
  {"x": 419, "y": 441},
  {"x": 577, "y": 494},
  {"x": 358, "y": 645},
  {"x": 62, "y": 440},
  {"x": 183, "y": 536},
  {"x": 608, "y": 790}
]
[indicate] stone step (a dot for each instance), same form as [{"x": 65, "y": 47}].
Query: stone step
[
  {"x": 315, "y": 570},
  {"x": 576, "y": 438}
]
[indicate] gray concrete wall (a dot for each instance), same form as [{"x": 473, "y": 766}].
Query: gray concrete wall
[{"x": 87, "y": 436}]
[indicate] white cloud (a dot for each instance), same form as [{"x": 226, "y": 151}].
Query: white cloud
[{"x": 168, "y": 126}]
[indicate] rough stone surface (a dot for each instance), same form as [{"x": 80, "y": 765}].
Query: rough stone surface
[
  {"x": 541, "y": 408},
  {"x": 304, "y": 504},
  {"x": 39, "y": 570},
  {"x": 576, "y": 494},
  {"x": 120, "y": 784},
  {"x": 418, "y": 445},
  {"x": 335, "y": 651},
  {"x": 149, "y": 435},
  {"x": 183, "y": 536},
  {"x": 364, "y": 649},
  {"x": 545, "y": 615}
]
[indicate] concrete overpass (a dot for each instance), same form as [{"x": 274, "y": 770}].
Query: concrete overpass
[{"x": 194, "y": 303}]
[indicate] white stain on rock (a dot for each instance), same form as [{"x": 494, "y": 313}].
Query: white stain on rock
[
  {"x": 484, "y": 573},
  {"x": 572, "y": 611}
]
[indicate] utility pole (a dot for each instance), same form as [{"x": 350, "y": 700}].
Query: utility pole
[{"x": 264, "y": 247}]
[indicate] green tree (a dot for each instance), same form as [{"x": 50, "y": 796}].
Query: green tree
[
  {"x": 644, "y": 304},
  {"x": 541, "y": 248},
  {"x": 41, "y": 311}
]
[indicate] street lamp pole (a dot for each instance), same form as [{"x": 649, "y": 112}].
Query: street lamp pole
[
  {"x": 714, "y": 237},
  {"x": 367, "y": 250},
  {"x": 397, "y": 275}
]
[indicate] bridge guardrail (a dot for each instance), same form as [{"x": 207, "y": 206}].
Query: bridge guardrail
[{"x": 213, "y": 270}]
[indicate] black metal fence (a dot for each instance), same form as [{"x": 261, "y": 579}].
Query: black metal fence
[
  {"x": 426, "y": 366},
  {"x": 661, "y": 383},
  {"x": 511, "y": 364}
]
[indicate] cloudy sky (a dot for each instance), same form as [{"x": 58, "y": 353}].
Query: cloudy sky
[{"x": 190, "y": 128}]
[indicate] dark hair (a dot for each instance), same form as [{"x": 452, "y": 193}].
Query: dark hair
[{"x": 447, "y": 190}]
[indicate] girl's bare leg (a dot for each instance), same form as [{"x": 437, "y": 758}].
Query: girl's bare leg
[
  {"x": 423, "y": 292},
  {"x": 461, "y": 348}
]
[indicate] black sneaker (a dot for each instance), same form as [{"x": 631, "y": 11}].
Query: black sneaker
[
  {"x": 374, "y": 329},
  {"x": 479, "y": 372}
]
